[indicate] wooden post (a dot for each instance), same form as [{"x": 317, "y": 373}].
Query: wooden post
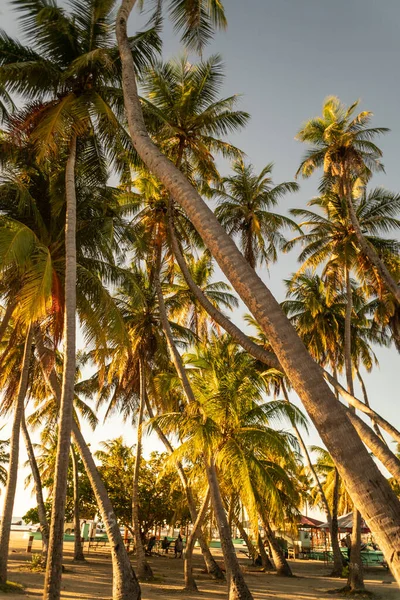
[{"x": 30, "y": 544}]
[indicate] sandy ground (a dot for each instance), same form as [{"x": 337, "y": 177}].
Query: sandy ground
[{"x": 93, "y": 580}]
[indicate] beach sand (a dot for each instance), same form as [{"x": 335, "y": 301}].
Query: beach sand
[{"x": 92, "y": 580}]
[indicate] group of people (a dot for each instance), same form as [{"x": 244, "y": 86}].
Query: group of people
[{"x": 165, "y": 544}]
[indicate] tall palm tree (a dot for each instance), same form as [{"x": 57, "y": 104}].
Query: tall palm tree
[
  {"x": 351, "y": 457},
  {"x": 77, "y": 75},
  {"x": 341, "y": 143},
  {"x": 245, "y": 200}
]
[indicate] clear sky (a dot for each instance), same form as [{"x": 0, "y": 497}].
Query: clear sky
[{"x": 284, "y": 57}]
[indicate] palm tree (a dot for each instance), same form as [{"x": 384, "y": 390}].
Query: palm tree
[
  {"x": 183, "y": 110},
  {"x": 80, "y": 78},
  {"x": 244, "y": 207},
  {"x": 351, "y": 457},
  {"x": 341, "y": 143}
]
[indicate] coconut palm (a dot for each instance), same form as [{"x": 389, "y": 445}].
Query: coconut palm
[
  {"x": 341, "y": 143},
  {"x": 307, "y": 379},
  {"x": 181, "y": 105},
  {"x": 69, "y": 72},
  {"x": 245, "y": 200}
]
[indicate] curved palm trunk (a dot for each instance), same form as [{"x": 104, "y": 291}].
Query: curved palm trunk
[
  {"x": 143, "y": 568},
  {"x": 355, "y": 581},
  {"x": 78, "y": 550},
  {"x": 243, "y": 534},
  {"x": 125, "y": 585},
  {"x": 12, "y": 476},
  {"x": 282, "y": 566},
  {"x": 190, "y": 583},
  {"x": 52, "y": 584},
  {"x": 44, "y": 526},
  {"x": 366, "y": 247},
  {"x": 237, "y": 586},
  {"x": 371, "y": 492},
  {"x": 212, "y": 566},
  {"x": 338, "y": 562},
  {"x": 265, "y": 559}
]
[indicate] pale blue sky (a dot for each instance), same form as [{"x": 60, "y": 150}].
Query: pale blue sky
[{"x": 284, "y": 57}]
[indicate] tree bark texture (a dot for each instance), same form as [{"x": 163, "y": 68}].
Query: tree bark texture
[{"x": 190, "y": 583}]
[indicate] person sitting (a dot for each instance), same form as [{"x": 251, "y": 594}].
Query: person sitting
[
  {"x": 165, "y": 544},
  {"x": 178, "y": 547},
  {"x": 150, "y": 545}
]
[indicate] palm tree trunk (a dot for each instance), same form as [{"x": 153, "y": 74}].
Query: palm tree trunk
[
  {"x": 337, "y": 555},
  {"x": 190, "y": 583},
  {"x": 355, "y": 580},
  {"x": 52, "y": 584},
  {"x": 12, "y": 476},
  {"x": 237, "y": 586},
  {"x": 263, "y": 355},
  {"x": 364, "y": 481},
  {"x": 143, "y": 568},
  {"x": 212, "y": 566},
  {"x": 367, "y": 410},
  {"x": 366, "y": 402},
  {"x": 281, "y": 564},
  {"x": 44, "y": 526},
  {"x": 366, "y": 247},
  {"x": 338, "y": 561},
  {"x": 125, "y": 585},
  {"x": 243, "y": 534},
  {"x": 265, "y": 559},
  {"x": 380, "y": 449},
  {"x": 78, "y": 550}
]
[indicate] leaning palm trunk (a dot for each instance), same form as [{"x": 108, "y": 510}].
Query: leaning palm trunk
[
  {"x": 44, "y": 526},
  {"x": 12, "y": 476},
  {"x": 125, "y": 585},
  {"x": 52, "y": 584},
  {"x": 366, "y": 247},
  {"x": 212, "y": 566},
  {"x": 143, "y": 568},
  {"x": 258, "y": 351},
  {"x": 78, "y": 550},
  {"x": 281, "y": 564},
  {"x": 371, "y": 492},
  {"x": 378, "y": 448},
  {"x": 252, "y": 550},
  {"x": 190, "y": 583},
  {"x": 237, "y": 586},
  {"x": 355, "y": 580},
  {"x": 337, "y": 555}
]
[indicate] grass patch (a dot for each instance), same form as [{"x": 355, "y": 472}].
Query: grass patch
[{"x": 11, "y": 588}]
